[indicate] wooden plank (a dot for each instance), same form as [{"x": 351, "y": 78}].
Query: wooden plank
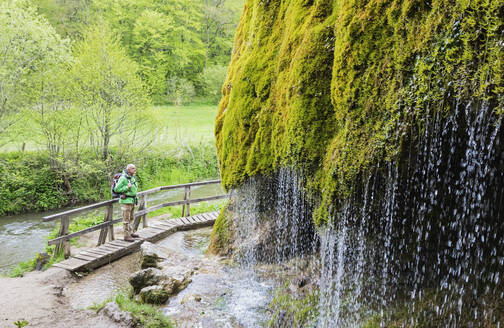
[
  {"x": 71, "y": 262},
  {"x": 78, "y": 210},
  {"x": 186, "y": 207},
  {"x": 180, "y": 202},
  {"x": 165, "y": 225},
  {"x": 81, "y": 232},
  {"x": 119, "y": 242},
  {"x": 191, "y": 219},
  {"x": 97, "y": 251},
  {"x": 206, "y": 217},
  {"x": 85, "y": 257},
  {"x": 110, "y": 214},
  {"x": 199, "y": 218},
  {"x": 111, "y": 246},
  {"x": 192, "y": 184},
  {"x": 160, "y": 226},
  {"x": 109, "y": 258},
  {"x": 110, "y": 249}
]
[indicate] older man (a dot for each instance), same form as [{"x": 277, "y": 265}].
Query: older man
[{"x": 127, "y": 186}]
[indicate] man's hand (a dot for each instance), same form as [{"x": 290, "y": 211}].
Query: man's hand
[{"x": 129, "y": 185}]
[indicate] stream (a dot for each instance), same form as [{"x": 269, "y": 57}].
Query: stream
[
  {"x": 24, "y": 235},
  {"x": 219, "y": 295}
]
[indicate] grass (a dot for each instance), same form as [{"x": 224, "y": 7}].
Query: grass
[
  {"x": 144, "y": 315},
  {"x": 178, "y": 125},
  {"x": 184, "y": 124},
  {"x": 28, "y": 266}
]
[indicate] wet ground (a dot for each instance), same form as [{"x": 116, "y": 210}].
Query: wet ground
[{"x": 220, "y": 295}]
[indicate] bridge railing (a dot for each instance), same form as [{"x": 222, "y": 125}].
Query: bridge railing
[{"x": 107, "y": 226}]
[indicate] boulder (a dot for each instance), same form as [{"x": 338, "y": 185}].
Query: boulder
[
  {"x": 113, "y": 311},
  {"x": 154, "y": 295},
  {"x": 144, "y": 278},
  {"x": 176, "y": 279},
  {"x": 150, "y": 255},
  {"x": 172, "y": 280}
]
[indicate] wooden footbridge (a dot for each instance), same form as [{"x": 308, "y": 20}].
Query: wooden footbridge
[{"x": 113, "y": 249}]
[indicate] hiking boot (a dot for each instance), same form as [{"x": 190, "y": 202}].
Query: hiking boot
[
  {"x": 129, "y": 239},
  {"x": 134, "y": 235}
]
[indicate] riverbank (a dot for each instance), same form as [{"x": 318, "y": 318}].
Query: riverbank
[{"x": 38, "y": 298}]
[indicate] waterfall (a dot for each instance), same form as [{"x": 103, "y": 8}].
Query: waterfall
[
  {"x": 423, "y": 233},
  {"x": 420, "y": 234},
  {"x": 272, "y": 219}
]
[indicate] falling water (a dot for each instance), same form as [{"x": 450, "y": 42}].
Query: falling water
[
  {"x": 272, "y": 219},
  {"x": 423, "y": 233}
]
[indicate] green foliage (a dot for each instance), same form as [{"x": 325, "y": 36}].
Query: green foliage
[
  {"x": 196, "y": 208},
  {"x": 213, "y": 78},
  {"x": 21, "y": 323},
  {"x": 30, "y": 47},
  {"x": 23, "y": 267},
  {"x": 173, "y": 39},
  {"x": 323, "y": 85},
  {"x": 68, "y": 17},
  {"x": 296, "y": 311},
  {"x": 144, "y": 315},
  {"x": 179, "y": 91},
  {"x": 29, "y": 183},
  {"x": 108, "y": 87}
]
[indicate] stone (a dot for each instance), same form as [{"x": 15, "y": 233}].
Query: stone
[
  {"x": 154, "y": 295},
  {"x": 113, "y": 311},
  {"x": 42, "y": 259},
  {"x": 176, "y": 279},
  {"x": 172, "y": 279},
  {"x": 150, "y": 255},
  {"x": 144, "y": 278}
]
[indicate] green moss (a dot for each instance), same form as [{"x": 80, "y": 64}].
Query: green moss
[
  {"x": 290, "y": 311},
  {"x": 323, "y": 85},
  {"x": 220, "y": 240}
]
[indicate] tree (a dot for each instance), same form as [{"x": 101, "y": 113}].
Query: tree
[
  {"x": 154, "y": 48},
  {"x": 219, "y": 22},
  {"x": 108, "y": 89},
  {"x": 213, "y": 78},
  {"x": 68, "y": 17},
  {"x": 28, "y": 46}
]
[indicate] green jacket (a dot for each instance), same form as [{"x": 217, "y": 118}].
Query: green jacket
[{"x": 122, "y": 188}]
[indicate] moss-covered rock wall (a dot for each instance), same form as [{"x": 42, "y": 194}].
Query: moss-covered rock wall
[{"x": 333, "y": 87}]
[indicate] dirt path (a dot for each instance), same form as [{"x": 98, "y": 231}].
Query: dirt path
[{"x": 39, "y": 298}]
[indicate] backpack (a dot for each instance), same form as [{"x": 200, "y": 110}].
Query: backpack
[{"x": 115, "y": 179}]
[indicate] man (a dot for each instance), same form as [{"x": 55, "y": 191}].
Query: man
[{"x": 127, "y": 186}]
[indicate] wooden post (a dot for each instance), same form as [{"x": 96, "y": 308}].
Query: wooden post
[
  {"x": 109, "y": 211},
  {"x": 144, "y": 217},
  {"x": 142, "y": 206},
  {"x": 64, "y": 245},
  {"x": 186, "y": 208}
]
